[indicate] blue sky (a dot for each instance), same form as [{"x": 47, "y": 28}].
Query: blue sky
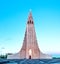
[{"x": 13, "y": 19}]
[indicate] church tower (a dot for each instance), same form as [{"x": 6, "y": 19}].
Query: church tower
[{"x": 30, "y": 47}]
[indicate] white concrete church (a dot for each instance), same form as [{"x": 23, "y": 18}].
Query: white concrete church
[{"x": 30, "y": 49}]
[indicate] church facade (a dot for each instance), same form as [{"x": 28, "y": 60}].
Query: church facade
[{"x": 30, "y": 48}]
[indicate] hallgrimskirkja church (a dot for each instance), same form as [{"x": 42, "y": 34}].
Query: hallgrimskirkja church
[{"x": 30, "y": 48}]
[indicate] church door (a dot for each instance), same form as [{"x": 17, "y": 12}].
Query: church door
[{"x": 29, "y": 56}]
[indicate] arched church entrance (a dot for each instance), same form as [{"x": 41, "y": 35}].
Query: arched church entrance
[{"x": 30, "y": 53}]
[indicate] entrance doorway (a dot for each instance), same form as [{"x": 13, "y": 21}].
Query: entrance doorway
[
  {"x": 30, "y": 53},
  {"x": 29, "y": 56}
]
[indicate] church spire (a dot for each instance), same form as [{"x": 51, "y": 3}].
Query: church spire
[{"x": 30, "y": 18}]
